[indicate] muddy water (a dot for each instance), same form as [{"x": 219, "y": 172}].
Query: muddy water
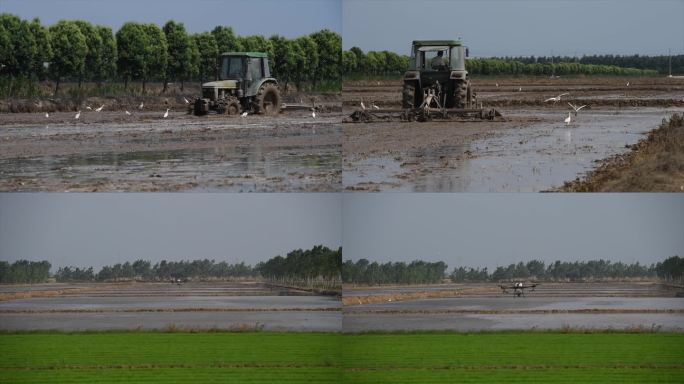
[
  {"x": 289, "y": 153},
  {"x": 291, "y": 313},
  {"x": 417, "y": 314},
  {"x": 534, "y": 157}
]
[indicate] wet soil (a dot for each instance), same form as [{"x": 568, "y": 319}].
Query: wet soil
[
  {"x": 530, "y": 149},
  {"x": 112, "y": 151}
]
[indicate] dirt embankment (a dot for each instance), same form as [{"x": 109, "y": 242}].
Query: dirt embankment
[{"x": 654, "y": 164}]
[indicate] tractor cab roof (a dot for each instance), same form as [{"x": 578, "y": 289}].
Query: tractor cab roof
[
  {"x": 247, "y": 54},
  {"x": 426, "y": 43}
]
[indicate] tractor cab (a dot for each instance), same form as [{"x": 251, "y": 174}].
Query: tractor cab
[{"x": 426, "y": 57}]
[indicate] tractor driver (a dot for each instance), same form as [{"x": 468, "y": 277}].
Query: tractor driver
[{"x": 438, "y": 62}]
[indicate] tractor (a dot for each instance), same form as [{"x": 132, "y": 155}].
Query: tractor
[
  {"x": 437, "y": 77},
  {"x": 244, "y": 85}
]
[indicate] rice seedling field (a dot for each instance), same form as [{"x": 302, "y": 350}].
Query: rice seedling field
[
  {"x": 150, "y": 357},
  {"x": 530, "y": 357}
]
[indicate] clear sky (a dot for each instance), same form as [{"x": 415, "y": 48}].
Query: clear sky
[
  {"x": 490, "y": 230},
  {"x": 289, "y": 18},
  {"x": 94, "y": 229},
  {"x": 518, "y": 28}
]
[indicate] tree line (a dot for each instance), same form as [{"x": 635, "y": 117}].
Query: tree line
[
  {"x": 24, "y": 272},
  {"x": 356, "y": 63},
  {"x": 319, "y": 262},
  {"x": 671, "y": 269},
  {"x": 80, "y": 51},
  {"x": 416, "y": 272}
]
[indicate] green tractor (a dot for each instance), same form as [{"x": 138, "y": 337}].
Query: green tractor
[
  {"x": 437, "y": 77},
  {"x": 244, "y": 85}
]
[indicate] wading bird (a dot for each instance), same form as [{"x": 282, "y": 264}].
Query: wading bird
[
  {"x": 363, "y": 106},
  {"x": 568, "y": 119},
  {"x": 186, "y": 101},
  {"x": 577, "y": 109},
  {"x": 520, "y": 89},
  {"x": 78, "y": 114},
  {"x": 517, "y": 288},
  {"x": 47, "y": 114},
  {"x": 628, "y": 83},
  {"x": 127, "y": 113},
  {"x": 166, "y": 114},
  {"x": 555, "y": 99},
  {"x": 89, "y": 108},
  {"x": 313, "y": 114},
  {"x": 375, "y": 106},
  {"x": 244, "y": 114},
  {"x": 141, "y": 105},
  {"x": 99, "y": 109}
]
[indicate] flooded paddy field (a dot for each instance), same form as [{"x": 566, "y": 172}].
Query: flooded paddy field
[
  {"x": 164, "y": 305},
  {"x": 529, "y": 149},
  {"x": 108, "y": 151},
  {"x": 480, "y": 308}
]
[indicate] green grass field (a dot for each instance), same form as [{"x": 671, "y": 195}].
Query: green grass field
[
  {"x": 264, "y": 357},
  {"x": 511, "y": 357},
  {"x": 155, "y": 357}
]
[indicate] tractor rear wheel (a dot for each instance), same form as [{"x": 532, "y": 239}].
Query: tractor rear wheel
[
  {"x": 408, "y": 96},
  {"x": 267, "y": 100}
]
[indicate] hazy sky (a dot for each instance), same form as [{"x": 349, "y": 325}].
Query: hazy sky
[
  {"x": 532, "y": 27},
  {"x": 289, "y": 18},
  {"x": 489, "y": 230},
  {"x": 103, "y": 229}
]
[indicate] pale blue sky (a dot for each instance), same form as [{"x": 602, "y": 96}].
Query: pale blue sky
[
  {"x": 93, "y": 229},
  {"x": 518, "y": 28},
  {"x": 289, "y": 18},
  {"x": 489, "y": 230}
]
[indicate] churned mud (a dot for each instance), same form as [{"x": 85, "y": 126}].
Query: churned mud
[{"x": 529, "y": 149}]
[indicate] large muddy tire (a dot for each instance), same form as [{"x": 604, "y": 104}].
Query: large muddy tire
[
  {"x": 408, "y": 96},
  {"x": 267, "y": 100},
  {"x": 233, "y": 106},
  {"x": 461, "y": 94}
]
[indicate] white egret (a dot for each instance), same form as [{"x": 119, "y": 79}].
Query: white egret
[
  {"x": 244, "y": 114},
  {"x": 555, "y": 99},
  {"x": 363, "y": 106},
  {"x": 78, "y": 114},
  {"x": 127, "y": 113},
  {"x": 375, "y": 106},
  {"x": 89, "y": 108},
  {"x": 167, "y": 113},
  {"x": 186, "y": 101},
  {"x": 520, "y": 89},
  {"x": 141, "y": 105},
  {"x": 568, "y": 119},
  {"x": 99, "y": 109},
  {"x": 577, "y": 109},
  {"x": 313, "y": 114},
  {"x": 47, "y": 114}
]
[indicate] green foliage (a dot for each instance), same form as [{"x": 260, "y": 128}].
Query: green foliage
[
  {"x": 329, "y": 46},
  {"x": 69, "y": 50},
  {"x": 43, "y": 48},
  {"x": 24, "y": 272},
  {"x": 226, "y": 40},
  {"x": 208, "y": 52},
  {"x": 254, "y": 357},
  {"x": 306, "y": 60},
  {"x": 156, "y": 53},
  {"x": 72, "y": 274},
  {"x": 93, "y": 59},
  {"x": 107, "y": 68},
  {"x": 23, "y": 47},
  {"x": 416, "y": 272},
  {"x": 256, "y": 43},
  {"x": 131, "y": 48},
  {"x": 672, "y": 269},
  {"x": 179, "y": 51},
  {"x": 544, "y": 357},
  {"x": 559, "y": 270},
  {"x": 318, "y": 261}
]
